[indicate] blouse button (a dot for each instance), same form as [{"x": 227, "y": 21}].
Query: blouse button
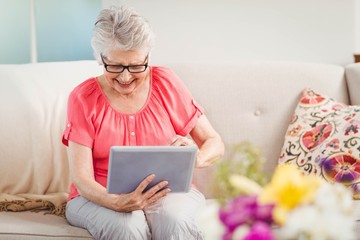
[
  {"x": 131, "y": 117},
  {"x": 132, "y": 133},
  {"x": 68, "y": 125}
]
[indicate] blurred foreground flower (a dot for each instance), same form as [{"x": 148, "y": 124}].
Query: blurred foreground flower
[
  {"x": 288, "y": 189},
  {"x": 290, "y": 206},
  {"x": 245, "y": 211},
  {"x": 327, "y": 217},
  {"x": 244, "y": 185},
  {"x": 241, "y": 173}
]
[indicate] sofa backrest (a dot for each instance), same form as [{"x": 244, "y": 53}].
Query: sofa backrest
[
  {"x": 254, "y": 101},
  {"x": 247, "y": 101},
  {"x": 33, "y": 100}
]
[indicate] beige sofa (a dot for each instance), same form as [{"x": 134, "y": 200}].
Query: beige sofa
[{"x": 246, "y": 101}]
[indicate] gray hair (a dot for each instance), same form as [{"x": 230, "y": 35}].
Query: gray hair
[{"x": 121, "y": 28}]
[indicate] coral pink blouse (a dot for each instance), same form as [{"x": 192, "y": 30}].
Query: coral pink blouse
[{"x": 91, "y": 121}]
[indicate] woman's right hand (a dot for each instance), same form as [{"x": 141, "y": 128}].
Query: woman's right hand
[
  {"x": 82, "y": 171},
  {"x": 138, "y": 199}
]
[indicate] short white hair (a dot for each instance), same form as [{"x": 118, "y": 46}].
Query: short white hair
[{"x": 121, "y": 28}]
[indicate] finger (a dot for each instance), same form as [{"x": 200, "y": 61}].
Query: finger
[
  {"x": 174, "y": 140},
  {"x": 190, "y": 142},
  {"x": 186, "y": 142},
  {"x": 158, "y": 196},
  {"x": 157, "y": 188},
  {"x": 181, "y": 141},
  {"x": 145, "y": 183}
]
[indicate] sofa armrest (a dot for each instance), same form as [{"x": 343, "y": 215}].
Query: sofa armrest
[{"x": 352, "y": 72}]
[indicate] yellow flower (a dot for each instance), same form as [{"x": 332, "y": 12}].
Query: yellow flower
[{"x": 288, "y": 189}]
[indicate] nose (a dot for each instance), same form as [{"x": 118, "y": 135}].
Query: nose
[{"x": 125, "y": 76}]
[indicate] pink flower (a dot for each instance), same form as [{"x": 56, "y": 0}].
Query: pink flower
[
  {"x": 260, "y": 231},
  {"x": 245, "y": 210}
]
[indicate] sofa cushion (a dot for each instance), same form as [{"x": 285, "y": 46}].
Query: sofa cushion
[
  {"x": 31, "y": 225},
  {"x": 323, "y": 138}
]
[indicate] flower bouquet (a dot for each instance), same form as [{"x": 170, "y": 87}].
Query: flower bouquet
[{"x": 289, "y": 206}]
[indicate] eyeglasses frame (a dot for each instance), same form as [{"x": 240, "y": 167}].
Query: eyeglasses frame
[{"x": 145, "y": 65}]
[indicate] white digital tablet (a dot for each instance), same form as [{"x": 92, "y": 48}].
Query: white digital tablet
[{"x": 129, "y": 165}]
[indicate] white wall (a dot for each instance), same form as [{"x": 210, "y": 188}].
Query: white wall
[
  {"x": 14, "y": 31},
  {"x": 42, "y": 30},
  {"x": 250, "y": 30},
  {"x": 357, "y": 26}
]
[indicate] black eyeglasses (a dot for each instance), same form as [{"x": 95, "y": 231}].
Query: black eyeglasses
[{"x": 120, "y": 68}]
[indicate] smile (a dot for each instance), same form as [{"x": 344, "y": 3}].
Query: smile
[{"x": 125, "y": 83}]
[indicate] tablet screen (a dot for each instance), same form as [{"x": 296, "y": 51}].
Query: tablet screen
[{"x": 129, "y": 165}]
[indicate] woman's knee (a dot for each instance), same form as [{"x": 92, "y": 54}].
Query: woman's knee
[
  {"x": 120, "y": 230},
  {"x": 103, "y": 223},
  {"x": 175, "y": 226},
  {"x": 174, "y": 216},
  {"x": 122, "y": 226}
]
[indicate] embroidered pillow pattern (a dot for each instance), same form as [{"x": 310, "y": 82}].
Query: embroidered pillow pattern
[{"x": 323, "y": 138}]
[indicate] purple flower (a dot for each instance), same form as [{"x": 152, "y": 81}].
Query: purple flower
[
  {"x": 259, "y": 231},
  {"x": 244, "y": 210},
  {"x": 264, "y": 213},
  {"x": 227, "y": 235},
  {"x": 238, "y": 212}
]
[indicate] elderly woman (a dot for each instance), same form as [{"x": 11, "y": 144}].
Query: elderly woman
[{"x": 132, "y": 103}]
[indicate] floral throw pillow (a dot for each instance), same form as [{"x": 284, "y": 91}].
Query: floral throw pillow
[{"x": 323, "y": 138}]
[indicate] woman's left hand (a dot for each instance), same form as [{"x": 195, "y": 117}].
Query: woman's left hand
[{"x": 181, "y": 141}]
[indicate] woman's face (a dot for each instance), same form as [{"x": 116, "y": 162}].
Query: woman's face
[{"x": 126, "y": 82}]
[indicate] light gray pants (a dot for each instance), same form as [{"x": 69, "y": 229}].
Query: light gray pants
[{"x": 171, "y": 218}]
